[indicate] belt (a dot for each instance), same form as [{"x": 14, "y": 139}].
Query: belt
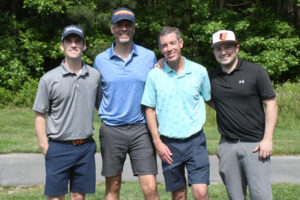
[
  {"x": 183, "y": 139},
  {"x": 74, "y": 142},
  {"x": 231, "y": 139}
]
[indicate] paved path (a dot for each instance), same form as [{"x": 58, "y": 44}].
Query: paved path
[{"x": 28, "y": 169}]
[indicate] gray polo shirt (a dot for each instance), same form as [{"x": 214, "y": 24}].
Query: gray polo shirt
[{"x": 69, "y": 100}]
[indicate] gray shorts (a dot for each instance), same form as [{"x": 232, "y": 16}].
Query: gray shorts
[
  {"x": 117, "y": 141},
  {"x": 239, "y": 167}
]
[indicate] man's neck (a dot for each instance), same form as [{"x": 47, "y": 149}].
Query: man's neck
[
  {"x": 178, "y": 65},
  {"x": 74, "y": 65},
  {"x": 123, "y": 50},
  {"x": 230, "y": 67}
]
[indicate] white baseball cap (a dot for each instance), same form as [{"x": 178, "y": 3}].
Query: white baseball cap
[{"x": 223, "y": 36}]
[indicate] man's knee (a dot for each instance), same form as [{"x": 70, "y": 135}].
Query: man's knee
[
  {"x": 149, "y": 186},
  {"x": 200, "y": 191},
  {"x": 179, "y": 194},
  {"x": 113, "y": 184},
  {"x": 77, "y": 196}
]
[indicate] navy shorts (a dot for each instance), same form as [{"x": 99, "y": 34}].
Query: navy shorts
[
  {"x": 118, "y": 141},
  {"x": 190, "y": 153},
  {"x": 67, "y": 163}
]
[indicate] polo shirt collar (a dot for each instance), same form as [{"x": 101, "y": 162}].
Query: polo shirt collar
[
  {"x": 66, "y": 71},
  {"x": 112, "y": 54},
  {"x": 187, "y": 69},
  {"x": 239, "y": 67}
]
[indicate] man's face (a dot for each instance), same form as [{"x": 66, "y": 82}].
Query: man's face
[
  {"x": 73, "y": 46},
  {"x": 226, "y": 53},
  {"x": 170, "y": 47},
  {"x": 123, "y": 31}
]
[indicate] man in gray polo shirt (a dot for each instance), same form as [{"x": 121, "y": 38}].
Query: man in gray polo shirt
[{"x": 64, "y": 106}]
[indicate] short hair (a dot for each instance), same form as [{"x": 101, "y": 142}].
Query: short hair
[{"x": 167, "y": 30}]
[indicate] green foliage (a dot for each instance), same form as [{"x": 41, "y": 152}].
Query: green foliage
[
  {"x": 25, "y": 97},
  {"x": 30, "y": 33},
  {"x": 288, "y": 101},
  {"x": 5, "y": 97}
]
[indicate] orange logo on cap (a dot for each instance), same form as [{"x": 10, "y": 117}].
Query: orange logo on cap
[
  {"x": 124, "y": 12},
  {"x": 223, "y": 36}
]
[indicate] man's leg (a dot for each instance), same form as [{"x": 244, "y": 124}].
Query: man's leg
[
  {"x": 179, "y": 194},
  {"x": 149, "y": 188},
  {"x": 230, "y": 170},
  {"x": 200, "y": 191},
  {"x": 114, "y": 141},
  {"x": 113, "y": 186},
  {"x": 62, "y": 197},
  {"x": 258, "y": 173},
  {"x": 77, "y": 196},
  {"x": 198, "y": 165}
]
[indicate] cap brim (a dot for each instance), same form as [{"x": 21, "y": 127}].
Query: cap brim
[
  {"x": 223, "y": 42},
  {"x": 72, "y": 33}
]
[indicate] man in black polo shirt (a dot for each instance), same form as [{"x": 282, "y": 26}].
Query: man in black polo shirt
[{"x": 244, "y": 99}]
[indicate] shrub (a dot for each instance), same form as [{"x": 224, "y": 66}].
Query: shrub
[
  {"x": 288, "y": 101},
  {"x": 5, "y": 97},
  {"x": 25, "y": 97}
]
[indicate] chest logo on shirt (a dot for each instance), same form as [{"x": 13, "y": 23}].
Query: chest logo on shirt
[{"x": 241, "y": 82}]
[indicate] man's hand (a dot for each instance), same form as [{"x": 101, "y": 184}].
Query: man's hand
[
  {"x": 45, "y": 149},
  {"x": 164, "y": 153},
  {"x": 160, "y": 63},
  {"x": 265, "y": 148}
]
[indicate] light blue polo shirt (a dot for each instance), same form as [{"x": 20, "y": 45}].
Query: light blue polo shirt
[
  {"x": 178, "y": 99},
  {"x": 123, "y": 85}
]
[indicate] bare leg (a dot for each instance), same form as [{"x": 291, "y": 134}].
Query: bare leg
[
  {"x": 200, "y": 191},
  {"x": 179, "y": 194},
  {"x": 149, "y": 188},
  {"x": 113, "y": 186}
]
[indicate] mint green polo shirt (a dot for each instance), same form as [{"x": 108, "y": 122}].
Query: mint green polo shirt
[{"x": 178, "y": 99}]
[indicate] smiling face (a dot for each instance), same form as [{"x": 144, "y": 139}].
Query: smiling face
[
  {"x": 123, "y": 31},
  {"x": 226, "y": 54},
  {"x": 73, "y": 46},
  {"x": 170, "y": 46}
]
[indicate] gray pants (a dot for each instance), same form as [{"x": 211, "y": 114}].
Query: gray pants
[{"x": 240, "y": 167}]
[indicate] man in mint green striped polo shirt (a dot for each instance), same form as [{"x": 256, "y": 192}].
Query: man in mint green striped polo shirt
[{"x": 175, "y": 110}]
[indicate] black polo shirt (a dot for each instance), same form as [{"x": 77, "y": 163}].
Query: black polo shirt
[{"x": 238, "y": 100}]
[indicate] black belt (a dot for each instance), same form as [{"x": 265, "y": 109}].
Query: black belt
[
  {"x": 179, "y": 139},
  {"x": 74, "y": 142},
  {"x": 231, "y": 139}
]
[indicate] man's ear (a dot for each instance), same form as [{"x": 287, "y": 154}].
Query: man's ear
[
  {"x": 62, "y": 46},
  {"x": 237, "y": 48},
  {"x": 181, "y": 42}
]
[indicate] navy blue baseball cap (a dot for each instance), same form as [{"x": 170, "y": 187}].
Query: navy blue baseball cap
[
  {"x": 122, "y": 14},
  {"x": 72, "y": 29}
]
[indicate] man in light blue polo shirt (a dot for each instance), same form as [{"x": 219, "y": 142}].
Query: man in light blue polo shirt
[
  {"x": 125, "y": 67},
  {"x": 175, "y": 114}
]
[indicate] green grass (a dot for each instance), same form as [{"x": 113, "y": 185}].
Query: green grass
[
  {"x": 17, "y": 133},
  {"x": 132, "y": 191}
]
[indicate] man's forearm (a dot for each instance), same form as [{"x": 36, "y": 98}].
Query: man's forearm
[
  {"x": 270, "y": 118},
  {"x": 40, "y": 128},
  {"x": 152, "y": 124}
]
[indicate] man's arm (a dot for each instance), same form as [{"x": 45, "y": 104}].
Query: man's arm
[
  {"x": 162, "y": 150},
  {"x": 211, "y": 104},
  {"x": 99, "y": 94},
  {"x": 40, "y": 128},
  {"x": 266, "y": 145}
]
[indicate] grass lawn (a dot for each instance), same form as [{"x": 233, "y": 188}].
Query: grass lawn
[
  {"x": 132, "y": 191},
  {"x": 17, "y": 134}
]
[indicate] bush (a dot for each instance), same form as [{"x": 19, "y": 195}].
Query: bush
[
  {"x": 288, "y": 101},
  {"x": 25, "y": 97},
  {"x": 5, "y": 97}
]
